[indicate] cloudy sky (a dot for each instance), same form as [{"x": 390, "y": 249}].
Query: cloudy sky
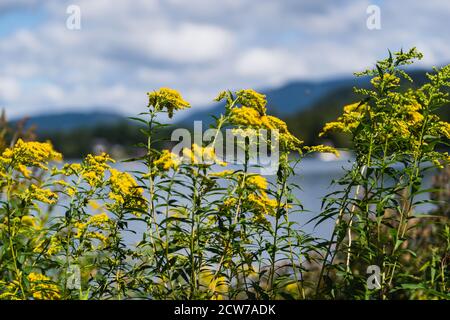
[{"x": 126, "y": 48}]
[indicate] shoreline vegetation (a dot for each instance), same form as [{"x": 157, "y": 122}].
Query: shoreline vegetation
[{"x": 239, "y": 241}]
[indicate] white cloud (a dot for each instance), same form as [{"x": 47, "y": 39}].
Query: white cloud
[
  {"x": 190, "y": 43},
  {"x": 199, "y": 47},
  {"x": 273, "y": 64},
  {"x": 9, "y": 90}
]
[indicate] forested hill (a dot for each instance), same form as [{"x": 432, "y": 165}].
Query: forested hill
[{"x": 305, "y": 105}]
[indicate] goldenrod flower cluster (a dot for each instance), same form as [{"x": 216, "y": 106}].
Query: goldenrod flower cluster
[
  {"x": 216, "y": 287},
  {"x": 49, "y": 247},
  {"x": 201, "y": 155},
  {"x": 9, "y": 290},
  {"x": 125, "y": 191},
  {"x": 37, "y": 193},
  {"x": 259, "y": 201},
  {"x": 28, "y": 154},
  {"x": 223, "y": 173},
  {"x": 252, "y": 114},
  {"x": 257, "y": 182},
  {"x": 322, "y": 149},
  {"x": 252, "y": 99},
  {"x": 42, "y": 288},
  {"x": 96, "y": 227},
  {"x": 350, "y": 119},
  {"x": 167, "y": 160},
  {"x": 92, "y": 169},
  {"x": 167, "y": 99}
]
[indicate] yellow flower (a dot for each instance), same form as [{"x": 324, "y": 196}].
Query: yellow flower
[
  {"x": 201, "y": 155},
  {"x": 94, "y": 205},
  {"x": 99, "y": 236},
  {"x": 245, "y": 116},
  {"x": 70, "y": 191},
  {"x": 217, "y": 286},
  {"x": 262, "y": 203},
  {"x": 62, "y": 183},
  {"x": 230, "y": 202},
  {"x": 252, "y": 99},
  {"x": 51, "y": 248},
  {"x": 81, "y": 228},
  {"x": 251, "y": 117},
  {"x": 94, "y": 167},
  {"x": 167, "y": 161},
  {"x": 389, "y": 79},
  {"x": 29, "y": 221},
  {"x": 444, "y": 129},
  {"x": 29, "y": 154},
  {"x": 24, "y": 170},
  {"x": 349, "y": 120},
  {"x": 9, "y": 291},
  {"x": 42, "y": 287},
  {"x": 92, "y": 177},
  {"x": 257, "y": 182},
  {"x": 72, "y": 168},
  {"x": 40, "y": 194},
  {"x": 98, "y": 220},
  {"x": 168, "y": 99},
  {"x": 332, "y": 126},
  {"x": 125, "y": 192},
  {"x": 323, "y": 149},
  {"x": 223, "y": 173}
]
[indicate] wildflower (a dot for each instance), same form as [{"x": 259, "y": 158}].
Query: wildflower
[
  {"x": 94, "y": 205},
  {"x": 29, "y": 221},
  {"x": 70, "y": 191},
  {"x": 98, "y": 220},
  {"x": 43, "y": 195},
  {"x": 49, "y": 247},
  {"x": 167, "y": 161},
  {"x": 42, "y": 287},
  {"x": 168, "y": 99},
  {"x": 9, "y": 290},
  {"x": 94, "y": 167},
  {"x": 230, "y": 202},
  {"x": 223, "y": 173},
  {"x": 72, "y": 168},
  {"x": 262, "y": 203},
  {"x": 257, "y": 182},
  {"x": 29, "y": 154},
  {"x": 62, "y": 183},
  {"x": 92, "y": 177},
  {"x": 252, "y": 99},
  {"x": 24, "y": 170},
  {"x": 332, "y": 126},
  {"x": 81, "y": 228},
  {"x": 250, "y": 117},
  {"x": 350, "y": 119},
  {"x": 201, "y": 155},
  {"x": 98, "y": 236},
  {"x": 389, "y": 80},
  {"x": 323, "y": 149},
  {"x": 444, "y": 128},
  {"x": 125, "y": 191},
  {"x": 215, "y": 285},
  {"x": 245, "y": 116}
]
